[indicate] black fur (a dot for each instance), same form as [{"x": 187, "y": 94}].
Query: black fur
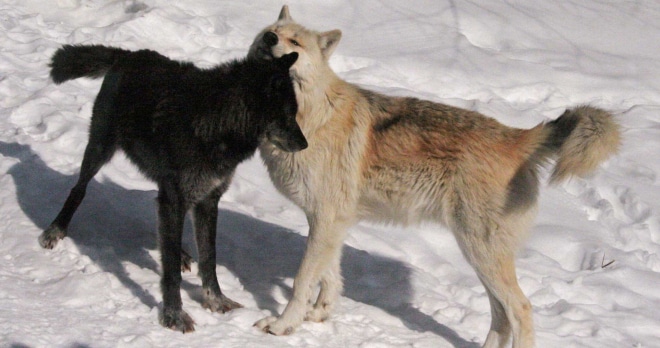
[
  {"x": 562, "y": 127},
  {"x": 523, "y": 188},
  {"x": 385, "y": 124},
  {"x": 186, "y": 129},
  {"x": 71, "y": 62}
]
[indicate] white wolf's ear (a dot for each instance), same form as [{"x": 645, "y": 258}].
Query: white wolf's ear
[
  {"x": 328, "y": 42},
  {"x": 284, "y": 14}
]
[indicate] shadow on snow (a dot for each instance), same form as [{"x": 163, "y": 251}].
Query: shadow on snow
[{"x": 115, "y": 225}]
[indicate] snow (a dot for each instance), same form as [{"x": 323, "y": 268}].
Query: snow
[{"x": 591, "y": 266}]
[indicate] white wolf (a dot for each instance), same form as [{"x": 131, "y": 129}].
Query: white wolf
[{"x": 406, "y": 160}]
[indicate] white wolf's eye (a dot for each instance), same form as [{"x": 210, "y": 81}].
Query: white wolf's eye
[{"x": 294, "y": 42}]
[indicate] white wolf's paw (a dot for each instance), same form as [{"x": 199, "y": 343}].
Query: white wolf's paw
[
  {"x": 274, "y": 326},
  {"x": 317, "y": 315}
]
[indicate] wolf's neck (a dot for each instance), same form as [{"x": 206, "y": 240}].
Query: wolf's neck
[{"x": 318, "y": 97}]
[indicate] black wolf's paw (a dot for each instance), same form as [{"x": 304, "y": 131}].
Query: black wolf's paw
[
  {"x": 49, "y": 238},
  {"x": 219, "y": 303},
  {"x": 177, "y": 320}
]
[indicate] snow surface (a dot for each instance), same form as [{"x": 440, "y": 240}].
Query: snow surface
[{"x": 591, "y": 266}]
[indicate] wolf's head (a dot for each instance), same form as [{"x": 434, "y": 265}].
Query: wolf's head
[
  {"x": 279, "y": 105},
  {"x": 286, "y": 36}
]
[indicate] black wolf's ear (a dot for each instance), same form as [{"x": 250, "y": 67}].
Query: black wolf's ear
[
  {"x": 328, "y": 42},
  {"x": 287, "y": 60},
  {"x": 284, "y": 14}
]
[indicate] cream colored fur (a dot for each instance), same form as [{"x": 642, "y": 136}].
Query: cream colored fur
[{"x": 405, "y": 160}]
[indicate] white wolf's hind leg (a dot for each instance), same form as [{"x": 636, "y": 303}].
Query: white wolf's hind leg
[
  {"x": 497, "y": 272},
  {"x": 500, "y": 328},
  {"x": 489, "y": 246}
]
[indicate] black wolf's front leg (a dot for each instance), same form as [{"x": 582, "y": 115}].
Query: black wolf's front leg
[
  {"x": 205, "y": 216},
  {"x": 171, "y": 214}
]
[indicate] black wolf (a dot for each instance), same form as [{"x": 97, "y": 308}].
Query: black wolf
[{"x": 186, "y": 129}]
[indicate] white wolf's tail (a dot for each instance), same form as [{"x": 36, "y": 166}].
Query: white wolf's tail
[{"x": 581, "y": 139}]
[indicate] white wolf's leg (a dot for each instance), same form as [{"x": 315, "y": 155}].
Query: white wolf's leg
[
  {"x": 494, "y": 262},
  {"x": 503, "y": 285},
  {"x": 323, "y": 247},
  {"x": 331, "y": 288},
  {"x": 500, "y": 328}
]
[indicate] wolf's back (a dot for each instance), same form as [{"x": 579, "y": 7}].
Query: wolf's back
[
  {"x": 581, "y": 139},
  {"x": 74, "y": 61}
]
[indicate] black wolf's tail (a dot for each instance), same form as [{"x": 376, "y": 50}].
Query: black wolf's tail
[
  {"x": 71, "y": 62},
  {"x": 581, "y": 139}
]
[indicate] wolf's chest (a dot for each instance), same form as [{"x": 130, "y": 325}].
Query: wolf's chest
[{"x": 293, "y": 174}]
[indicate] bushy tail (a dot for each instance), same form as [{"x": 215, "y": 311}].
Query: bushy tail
[
  {"x": 71, "y": 62},
  {"x": 581, "y": 139}
]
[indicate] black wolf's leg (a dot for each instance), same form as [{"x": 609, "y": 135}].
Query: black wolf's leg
[
  {"x": 186, "y": 261},
  {"x": 99, "y": 151},
  {"x": 171, "y": 214},
  {"x": 205, "y": 216}
]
